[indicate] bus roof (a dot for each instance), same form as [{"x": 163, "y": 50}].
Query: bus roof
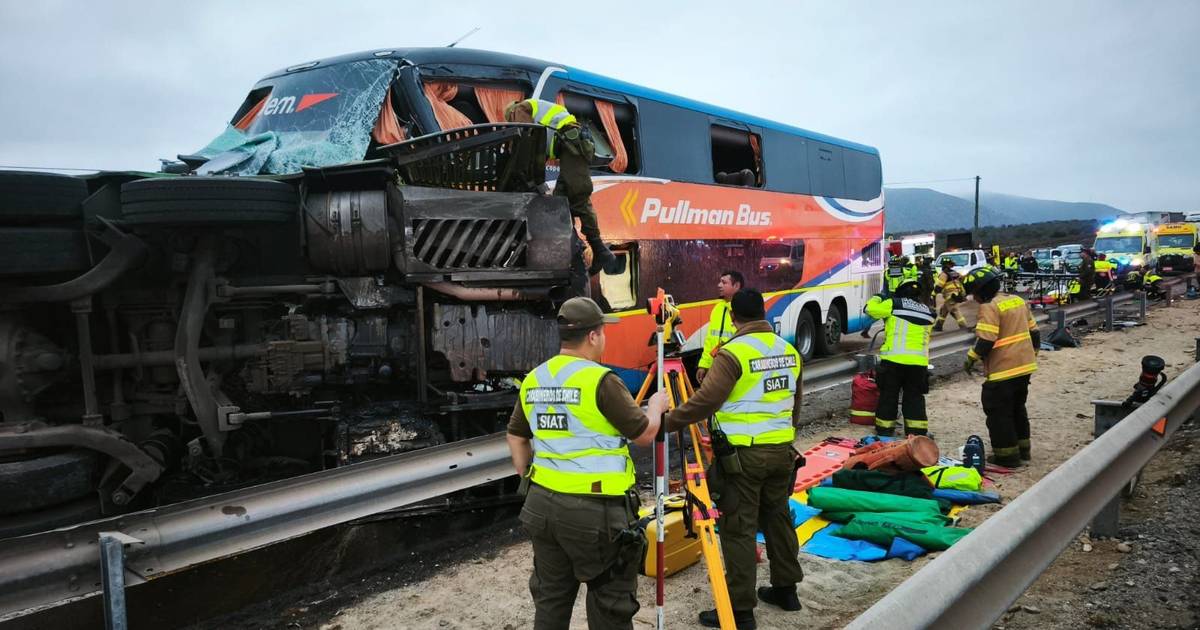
[{"x": 443, "y": 55}]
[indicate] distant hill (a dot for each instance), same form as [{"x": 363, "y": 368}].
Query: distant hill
[{"x": 916, "y": 209}]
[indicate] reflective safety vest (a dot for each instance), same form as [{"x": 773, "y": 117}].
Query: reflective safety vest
[
  {"x": 576, "y": 450},
  {"x": 720, "y": 329},
  {"x": 906, "y": 329},
  {"x": 759, "y": 409},
  {"x": 1010, "y": 263},
  {"x": 1103, "y": 266},
  {"x": 550, "y": 115}
]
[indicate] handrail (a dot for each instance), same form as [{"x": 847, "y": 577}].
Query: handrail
[{"x": 974, "y": 582}]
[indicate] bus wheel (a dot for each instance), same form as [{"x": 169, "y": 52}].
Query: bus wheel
[
  {"x": 830, "y": 334},
  {"x": 806, "y": 333}
]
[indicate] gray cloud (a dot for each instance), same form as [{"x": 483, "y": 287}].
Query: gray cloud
[{"x": 1088, "y": 101}]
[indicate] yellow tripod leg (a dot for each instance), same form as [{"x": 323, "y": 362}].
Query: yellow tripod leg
[{"x": 706, "y": 530}]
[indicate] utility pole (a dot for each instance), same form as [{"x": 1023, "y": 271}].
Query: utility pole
[{"x": 975, "y": 235}]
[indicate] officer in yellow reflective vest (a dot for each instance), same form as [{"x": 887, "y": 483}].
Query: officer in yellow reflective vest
[
  {"x": 720, "y": 326},
  {"x": 570, "y": 144},
  {"x": 568, "y": 436},
  {"x": 753, "y": 391},
  {"x": 1006, "y": 341},
  {"x": 903, "y": 359}
]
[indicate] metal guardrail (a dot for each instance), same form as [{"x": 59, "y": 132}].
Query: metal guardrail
[
  {"x": 974, "y": 582},
  {"x": 42, "y": 570}
]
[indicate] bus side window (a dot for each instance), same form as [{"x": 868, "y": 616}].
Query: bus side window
[
  {"x": 864, "y": 176},
  {"x": 619, "y": 289},
  {"x": 610, "y": 144},
  {"x": 826, "y": 171},
  {"x": 872, "y": 255},
  {"x": 736, "y": 157}
]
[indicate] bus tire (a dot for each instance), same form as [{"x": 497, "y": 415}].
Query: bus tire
[
  {"x": 40, "y": 197},
  {"x": 41, "y": 482},
  {"x": 830, "y": 334},
  {"x": 806, "y": 335},
  {"x": 206, "y": 200}
]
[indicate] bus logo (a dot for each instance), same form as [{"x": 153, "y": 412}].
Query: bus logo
[
  {"x": 682, "y": 213},
  {"x": 627, "y": 205},
  {"x": 288, "y": 105}
]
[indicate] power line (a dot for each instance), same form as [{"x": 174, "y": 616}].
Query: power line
[{"x": 932, "y": 181}]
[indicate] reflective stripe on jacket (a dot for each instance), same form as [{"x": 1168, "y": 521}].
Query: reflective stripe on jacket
[
  {"x": 906, "y": 329},
  {"x": 720, "y": 329},
  {"x": 550, "y": 115},
  {"x": 759, "y": 409},
  {"x": 1006, "y": 322},
  {"x": 575, "y": 448}
]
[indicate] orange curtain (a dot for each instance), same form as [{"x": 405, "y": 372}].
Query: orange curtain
[
  {"x": 608, "y": 116},
  {"x": 493, "y": 101},
  {"x": 388, "y": 130},
  {"x": 758, "y": 174},
  {"x": 246, "y": 120},
  {"x": 440, "y": 93}
]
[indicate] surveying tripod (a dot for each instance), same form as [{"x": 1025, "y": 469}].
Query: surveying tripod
[{"x": 699, "y": 515}]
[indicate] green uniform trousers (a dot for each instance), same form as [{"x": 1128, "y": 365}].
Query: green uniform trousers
[
  {"x": 575, "y": 152},
  {"x": 760, "y": 503},
  {"x": 575, "y": 541}
]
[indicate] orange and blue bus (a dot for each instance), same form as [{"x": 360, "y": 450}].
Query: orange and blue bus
[
  {"x": 683, "y": 190},
  {"x": 689, "y": 190}
]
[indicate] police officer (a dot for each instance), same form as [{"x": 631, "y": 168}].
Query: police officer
[
  {"x": 568, "y": 436},
  {"x": 753, "y": 390},
  {"x": 1087, "y": 275},
  {"x": 949, "y": 284},
  {"x": 720, "y": 326},
  {"x": 574, "y": 149},
  {"x": 927, "y": 282},
  {"x": 1006, "y": 341},
  {"x": 903, "y": 359}
]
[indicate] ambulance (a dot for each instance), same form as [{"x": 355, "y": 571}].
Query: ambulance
[
  {"x": 1172, "y": 245},
  {"x": 1124, "y": 243}
]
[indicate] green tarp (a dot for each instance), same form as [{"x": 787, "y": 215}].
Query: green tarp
[
  {"x": 840, "y": 500},
  {"x": 925, "y": 518},
  {"x": 879, "y": 529}
]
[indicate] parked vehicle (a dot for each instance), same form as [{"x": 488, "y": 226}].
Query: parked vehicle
[
  {"x": 362, "y": 263},
  {"x": 1125, "y": 243},
  {"x": 964, "y": 261},
  {"x": 1173, "y": 245}
]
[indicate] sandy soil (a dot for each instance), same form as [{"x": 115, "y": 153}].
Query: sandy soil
[{"x": 491, "y": 592}]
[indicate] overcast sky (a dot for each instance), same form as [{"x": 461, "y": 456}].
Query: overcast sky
[{"x": 1080, "y": 101}]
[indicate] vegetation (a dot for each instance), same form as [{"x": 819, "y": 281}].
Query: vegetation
[{"x": 1028, "y": 236}]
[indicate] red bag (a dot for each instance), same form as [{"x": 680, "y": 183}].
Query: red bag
[{"x": 864, "y": 398}]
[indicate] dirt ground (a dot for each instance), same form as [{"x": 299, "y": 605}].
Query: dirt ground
[{"x": 490, "y": 590}]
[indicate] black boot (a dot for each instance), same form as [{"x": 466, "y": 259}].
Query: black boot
[
  {"x": 602, "y": 258},
  {"x": 782, "y": 596},
  {"x": 744, "y": 619}
]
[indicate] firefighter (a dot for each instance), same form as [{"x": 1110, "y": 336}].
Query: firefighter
[
  {"x": 567, "y": 436},
  {"x": 1153, "y": 286},
  {"x": 720, "y": 326},
  {"x": 949, "y": 284},
  {"x": 1087, "y": 275},
  {"x": 903, "y": 359},
  {"x": 1006, "y": 342},
  {"x": 926, "y": 282},
  {"x": 753, "y": 391},
  {"x": 573, "y": 147}
]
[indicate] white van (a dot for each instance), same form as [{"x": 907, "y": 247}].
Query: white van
[{"x": 965, "y": 260}]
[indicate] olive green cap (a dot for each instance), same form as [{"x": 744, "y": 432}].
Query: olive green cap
[{"x": 580, "y": 312}]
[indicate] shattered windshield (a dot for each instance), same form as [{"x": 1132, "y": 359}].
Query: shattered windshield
[{"x": 317, "y": 117}]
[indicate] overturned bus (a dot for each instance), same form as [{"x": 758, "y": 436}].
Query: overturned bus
[{"x": 365, "y": 261}]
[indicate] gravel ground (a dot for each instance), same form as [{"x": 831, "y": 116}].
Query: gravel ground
[
  {"x": 1149, "y": 576},
  {"x": 483, "y": 583}
]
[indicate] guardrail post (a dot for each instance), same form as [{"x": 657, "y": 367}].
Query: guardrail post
[
  {"x": 1108, "y": 414},
  {"x": 1142, "y": 308},
  {"x": 112, "y": 577},
  {"x": 1109, "y": 315},
  {"x": 1059, "y": 317}
]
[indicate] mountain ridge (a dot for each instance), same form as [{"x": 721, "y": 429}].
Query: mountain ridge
[{"x": 917, "y": 209}]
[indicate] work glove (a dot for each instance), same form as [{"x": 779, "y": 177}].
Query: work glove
[{"x": 969, "y": 363}]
